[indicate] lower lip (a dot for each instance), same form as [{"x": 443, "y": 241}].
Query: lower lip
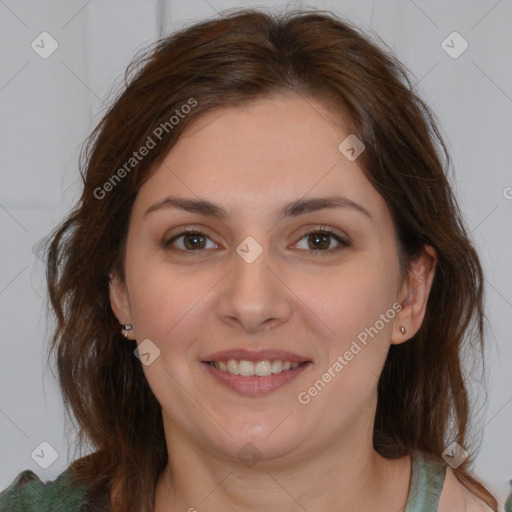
[{"x": 254, "y": 386}]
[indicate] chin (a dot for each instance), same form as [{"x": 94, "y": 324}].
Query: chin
[{"x": 258, "y": 447}]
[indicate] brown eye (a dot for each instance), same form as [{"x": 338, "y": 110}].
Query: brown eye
[
  {"x": 191, "y": 241},
  {"x": 194, "y": 241},
  {"x": 321, "y": 241}
]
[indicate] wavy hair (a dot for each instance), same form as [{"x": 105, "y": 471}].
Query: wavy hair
[{"x": 423, "y": 396}]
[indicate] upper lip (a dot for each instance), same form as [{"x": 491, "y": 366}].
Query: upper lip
[{"x": 255, "y": 355}]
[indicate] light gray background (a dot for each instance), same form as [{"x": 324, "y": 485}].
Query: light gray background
[{"x": 48, "y": 107}]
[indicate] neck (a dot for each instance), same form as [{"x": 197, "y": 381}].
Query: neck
[{"x": 338, "y": 477}]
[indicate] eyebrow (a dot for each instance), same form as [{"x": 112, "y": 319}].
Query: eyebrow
[{"x": 293, "y": 209}]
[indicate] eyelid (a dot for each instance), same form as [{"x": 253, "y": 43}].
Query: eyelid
[
  {"x": 342, "y": 239},
  {"x": 318, "y": 228},
  {"x": 183, "y": 230}
]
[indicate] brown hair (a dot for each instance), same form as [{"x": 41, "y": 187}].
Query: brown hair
[{"x": 423, "y": 400}]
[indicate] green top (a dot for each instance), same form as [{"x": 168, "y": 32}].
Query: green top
[
  {"x": 28, "y": 494},
  {"x": 427, "y": 481}
]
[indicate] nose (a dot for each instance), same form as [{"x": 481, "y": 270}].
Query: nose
[{"x": 254, "y": 295}]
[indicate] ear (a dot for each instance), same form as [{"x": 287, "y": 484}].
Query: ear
[
  {"x": 414, "y": 295},
  {"x": 119, "y": 301}
]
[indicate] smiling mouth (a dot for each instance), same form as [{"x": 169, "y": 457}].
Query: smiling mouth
[{"x": 264, "y": 368}]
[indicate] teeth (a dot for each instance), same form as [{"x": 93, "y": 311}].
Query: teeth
[
  {"x": 262, "y": 368},
  {"x": 246, "y": 368},
  {"x": 277, "y": 366},
  {"x": 249, "y": 368},
  {"x": 232, "y": 367}
]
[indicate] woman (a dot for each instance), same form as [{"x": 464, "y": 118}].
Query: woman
[{"x": 263, "y": 295}]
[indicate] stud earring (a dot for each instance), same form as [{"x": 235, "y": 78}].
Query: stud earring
[
  {"x": 402, "y": 329},
  {"x": 125, "y": 328}
]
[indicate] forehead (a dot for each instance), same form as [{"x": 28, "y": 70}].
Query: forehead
[{"x": 262, "y": 154}]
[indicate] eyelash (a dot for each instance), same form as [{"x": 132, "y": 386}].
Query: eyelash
[{"x": 320, "y": 252}]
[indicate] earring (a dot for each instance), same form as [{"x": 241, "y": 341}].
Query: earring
[
  {"x": 402, "y": 329},
  {"x": 125, "y": 328}
]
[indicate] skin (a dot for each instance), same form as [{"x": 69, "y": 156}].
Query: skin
[{"x": 252, "y": 160}]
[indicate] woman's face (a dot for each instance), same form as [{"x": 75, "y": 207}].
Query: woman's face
[{"x": 263, "y": 275}]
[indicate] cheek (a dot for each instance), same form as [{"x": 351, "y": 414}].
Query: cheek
[
  {"x": 349, "y": 298},
  {"x": 356, "y": 316},
  {"x": 166, "y": 303},
  {"x": 356, "y": 313}
]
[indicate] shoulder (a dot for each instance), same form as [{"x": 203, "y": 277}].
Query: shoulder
[
  {"x": 27, "y": 493},
  {"x": 456, "y": 497}
]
